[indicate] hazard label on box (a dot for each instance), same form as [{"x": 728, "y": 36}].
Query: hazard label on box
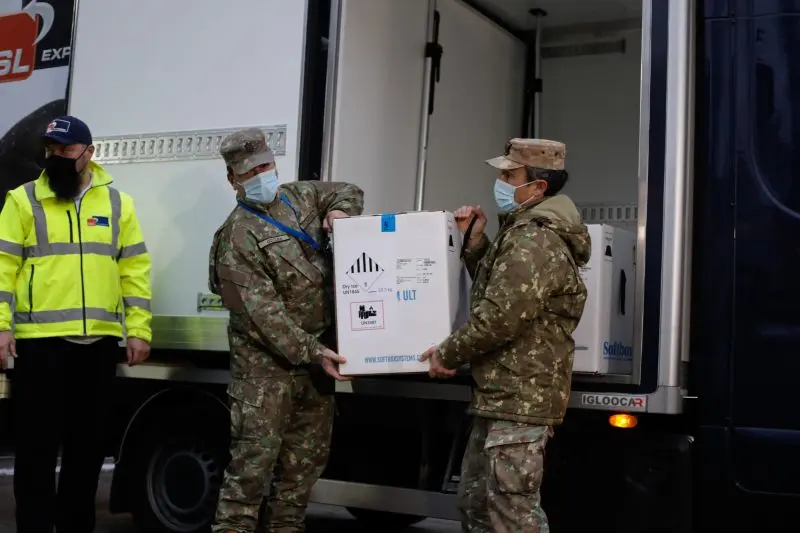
[{"x": 366, "y": 315}]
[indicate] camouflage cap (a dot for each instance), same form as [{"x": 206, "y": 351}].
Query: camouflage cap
[
  {"x": 537, "y": 153},
  {"x": 246, "y": 149}
]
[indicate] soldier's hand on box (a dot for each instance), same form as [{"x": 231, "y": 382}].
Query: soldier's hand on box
[
  {"x": 8, "y": 347},
  {"x": 327, "y": 224},
  {"x": 137, "y": 350},
  {"x": 436, "y": 370},
  {"x": 330, "y": 363},
  {"x": 464, "y": 216}
]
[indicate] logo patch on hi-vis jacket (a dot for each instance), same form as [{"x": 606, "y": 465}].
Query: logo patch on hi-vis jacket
[{"x": 97, "y": 221}]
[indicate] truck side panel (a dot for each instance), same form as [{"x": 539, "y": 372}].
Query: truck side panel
[
  {"x": 713, "y": 272},
  {"x": 766, "y": 435},
  {"x": 152, "y": 69},
  {"x": 745, "y": 332}
]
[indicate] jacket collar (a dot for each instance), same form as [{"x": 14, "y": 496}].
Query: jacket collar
[
  {"x": 100, "y": 177},
  {"x": 520, "y": 216}
]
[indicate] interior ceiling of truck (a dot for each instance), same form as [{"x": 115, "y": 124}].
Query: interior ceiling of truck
[{"x": 516, "y": 13}]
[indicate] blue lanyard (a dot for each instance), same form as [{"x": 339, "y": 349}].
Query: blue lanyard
[{"x": 302, "y": 235}]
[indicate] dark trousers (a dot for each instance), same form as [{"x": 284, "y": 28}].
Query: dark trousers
[{"x": 62, "y": 398}]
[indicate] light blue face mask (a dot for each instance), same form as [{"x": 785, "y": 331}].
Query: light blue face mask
[
  {"x": 261, "y": 188},
  {"x": 504, "y": 196}
]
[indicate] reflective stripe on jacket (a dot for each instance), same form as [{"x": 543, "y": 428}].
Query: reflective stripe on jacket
[{"x": 73, "y": 272}]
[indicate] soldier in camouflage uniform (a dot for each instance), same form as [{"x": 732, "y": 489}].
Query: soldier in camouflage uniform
[
  {"x": 527, "y": 299},
  {"x": 269, "y": 265}
]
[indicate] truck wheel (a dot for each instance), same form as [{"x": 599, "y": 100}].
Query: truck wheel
[
  {"x": 382, "y": 520},
  {"x": 176, "y": 480}
]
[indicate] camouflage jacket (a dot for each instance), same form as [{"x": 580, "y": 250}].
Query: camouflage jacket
[
  {"x": 278, "y": 289},
  {"x": 527, "y": 299}
]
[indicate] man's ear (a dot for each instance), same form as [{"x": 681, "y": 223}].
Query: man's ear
[{"x": 90, "y": 151}]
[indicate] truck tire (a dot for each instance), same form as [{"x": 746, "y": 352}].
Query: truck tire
[
  {"x": 176, "y": 478},
  {"x": 384, "y": 521}
]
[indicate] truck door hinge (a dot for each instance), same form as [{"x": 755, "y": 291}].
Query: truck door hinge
[{"x": 434, "y": 51}]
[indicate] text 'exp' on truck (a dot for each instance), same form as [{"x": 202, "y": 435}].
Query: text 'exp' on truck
[{"x": 678, "y": 121}]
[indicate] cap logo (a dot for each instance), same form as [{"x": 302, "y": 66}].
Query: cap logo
[{"x": 58, "y": 125}]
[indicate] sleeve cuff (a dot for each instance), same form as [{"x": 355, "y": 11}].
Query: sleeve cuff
[
  {"x": 141, "y": 334},
  {"x": 448, "y": 357},
  {"x": 314, "y": 346},
  {"x": 348, "y": 208}
]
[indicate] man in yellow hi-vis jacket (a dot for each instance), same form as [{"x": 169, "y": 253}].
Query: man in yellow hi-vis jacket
[{"x": 73, "y": 264}]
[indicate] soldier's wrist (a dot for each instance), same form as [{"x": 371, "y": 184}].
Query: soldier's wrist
[
  {"x": 474, "y": 240},
  {"x": 317, "y": 352}
]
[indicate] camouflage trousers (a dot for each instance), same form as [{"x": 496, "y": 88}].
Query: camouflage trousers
[
  {"x": 501, "y": 475},
  {"x": 280, "y": 433}
]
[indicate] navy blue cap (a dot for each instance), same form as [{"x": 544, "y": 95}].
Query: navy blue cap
[{"x": 68, "y": 130}]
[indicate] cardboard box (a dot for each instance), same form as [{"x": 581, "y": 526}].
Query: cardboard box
[
  {"x": 397, "y": 289},
  {"x": 604, "y": 337}
]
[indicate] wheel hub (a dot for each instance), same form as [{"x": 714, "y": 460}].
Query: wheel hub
[{"x": 183, "y": 481}]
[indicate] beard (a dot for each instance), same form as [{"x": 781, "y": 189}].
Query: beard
[{"x": 63, "y": 178}]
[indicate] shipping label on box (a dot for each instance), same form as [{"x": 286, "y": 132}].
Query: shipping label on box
[
  {"x": 604, "y": 336},
  {"x": 397, "y": 289}
]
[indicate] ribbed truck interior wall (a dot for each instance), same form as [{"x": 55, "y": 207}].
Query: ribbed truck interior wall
[{"x": 153, "y": 67}]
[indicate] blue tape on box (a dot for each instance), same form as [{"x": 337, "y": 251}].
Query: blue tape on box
[{"x": 388, "y": 224}]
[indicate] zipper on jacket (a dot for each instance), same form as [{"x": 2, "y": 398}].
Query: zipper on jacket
[
  {"x": 69, "y": 217},
  {"x": 80, "y": 248},
  {"x": 30, "y": 293}
]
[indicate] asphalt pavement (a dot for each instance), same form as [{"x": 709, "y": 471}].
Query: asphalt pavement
[{"x": 321, "y": 518}]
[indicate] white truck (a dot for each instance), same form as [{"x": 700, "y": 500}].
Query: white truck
[{"x": 405, "y": 98}]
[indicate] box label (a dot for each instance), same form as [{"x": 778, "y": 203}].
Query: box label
[
  {"x": 407, "y": 295},
  {"x": 415, "y": 270},
  {"x": 366, "y": 315},
  {"x": 617, "y": 351},
  {"x": 364, "y": 271},
  {"x": 388, "y": 223}
]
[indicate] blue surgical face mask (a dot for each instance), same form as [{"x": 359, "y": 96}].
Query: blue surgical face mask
[
  {"x": 261, "y": 188},
  {"x": 504, "y": 196}
]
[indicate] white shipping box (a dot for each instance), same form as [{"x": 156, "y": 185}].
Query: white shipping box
[
  {"x": 604, "y": 336},
  {"x": 397, "y": 289}
]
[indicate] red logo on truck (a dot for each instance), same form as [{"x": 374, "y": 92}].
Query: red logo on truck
[
  {"x": 19, "y": 35},
  {"x": 17, "y": 46}
]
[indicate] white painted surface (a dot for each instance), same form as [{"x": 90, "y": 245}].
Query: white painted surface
[
  {"x": 591, "y": 103},
  {"x": 478, "y": 107},
  {"x": 144, "y": 67},
  {"x": 44, "y": 86},
  {"x": 564, "y": 12},
  {"x": 378, "y": 100}
]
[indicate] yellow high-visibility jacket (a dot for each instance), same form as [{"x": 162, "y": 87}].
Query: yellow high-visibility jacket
[{"x": 73, "y": 273}]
